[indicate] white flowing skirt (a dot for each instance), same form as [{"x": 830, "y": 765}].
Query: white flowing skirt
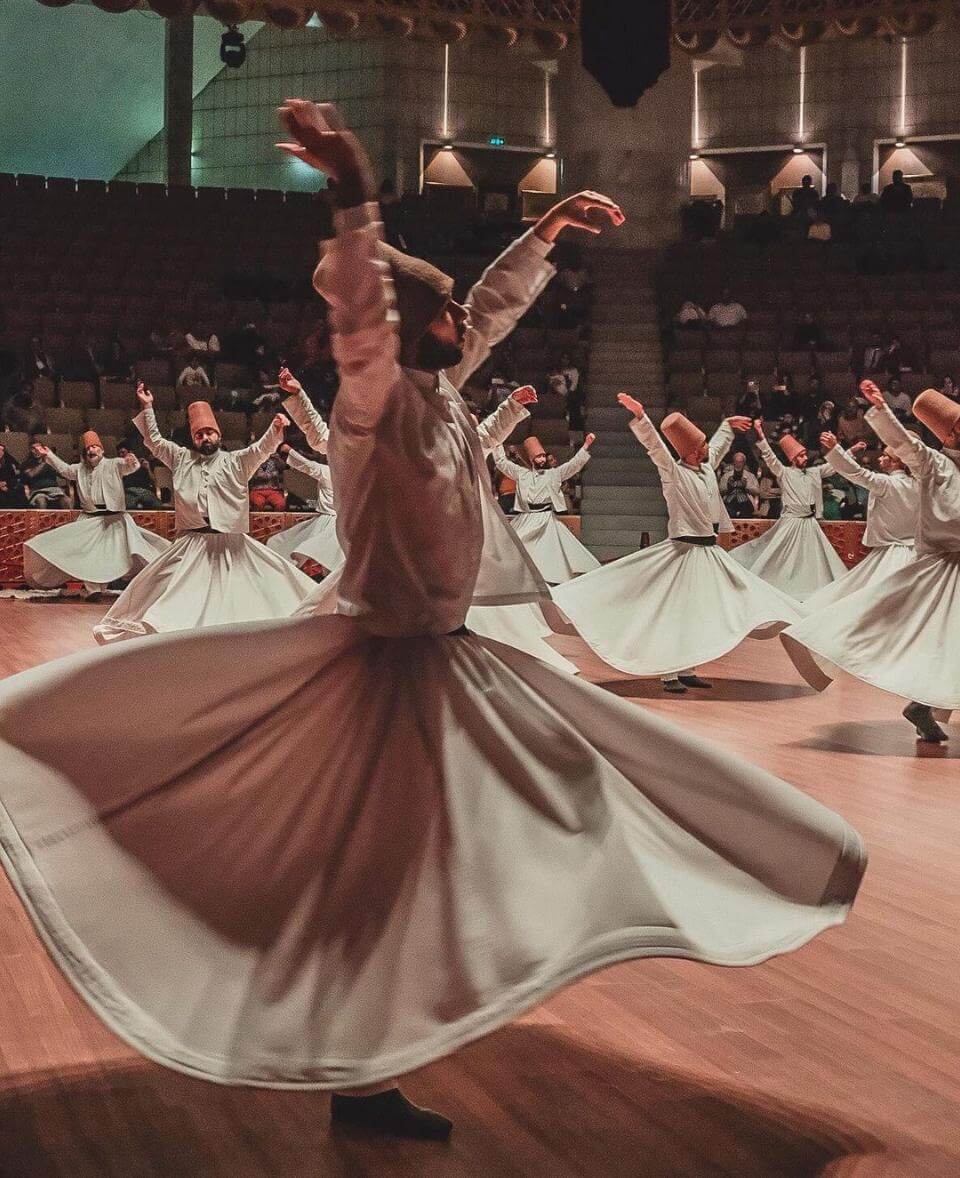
[
  {"x": 901, "y": 634},
  {"x": 877, "y": 564},
  {"x": 206, "y": 579},
  {"x": 553, "y": 548},
  {"x": 328, "y": 858},
  {"x": 311, "y": 539},
  {"x": 665, "y": 609},
  {"x": 95, "y": 549},
  {"x": 794, "y": 556},
  {"x": 521, "y": 626}
]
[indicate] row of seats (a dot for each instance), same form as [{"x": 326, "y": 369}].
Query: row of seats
[{"x": 726, "y": 387}]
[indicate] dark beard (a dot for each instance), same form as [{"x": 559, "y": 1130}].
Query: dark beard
[
  {"x": 208, "y": 448},
  {"x": 432, "y": 356}
]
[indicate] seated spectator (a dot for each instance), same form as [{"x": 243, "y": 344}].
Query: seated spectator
[
  {"x": 812, "y": 396},
  {"x": 805, "y": 200},
  {"x": 874, "y": 357},
  {"x": 727, "y": 312},
  {"x": 499, "y": 390},
  {"x": 739, "y": 488},
  {"x": 11, "y": 485},
  {"x": 266, "y": 486},
  {"x": 900, "y": 357},
  {"x": 203, "y": 341},
  {"x": 808, "y": 334},
  {"x": 38, "y": 361},
  {"x": 116, "y": 364},
  {"x": 139, "y": 489},
  {"x": 900, "y": 402},
  {"x": 852, "y": 425},
  {"x": 768, "y": 494},
  {"x": 780, "y": 401},
  {"x": 949, "y": 389},
  {"x": 43, "y": 489},
  {"x": 571, "y": 373},
  {"x": 897, "y": 196},
  {"x": 23, "y": 413},
  {"x": 691, "y": 314},
  {"x": 194, "y": 374},
  {"x": 749, "y": 403},
  {"x": 824, "y": 420}
]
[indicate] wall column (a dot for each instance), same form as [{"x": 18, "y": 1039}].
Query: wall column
[{"x": 178, "y": 99}]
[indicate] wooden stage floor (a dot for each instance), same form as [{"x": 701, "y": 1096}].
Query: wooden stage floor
[{"x": 841, "y": 1059}]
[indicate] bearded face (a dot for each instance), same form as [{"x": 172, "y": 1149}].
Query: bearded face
[{"x": 207, "y": 441}]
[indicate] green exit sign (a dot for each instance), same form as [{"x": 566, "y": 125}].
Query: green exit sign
[{"x": 496, "y": 141}]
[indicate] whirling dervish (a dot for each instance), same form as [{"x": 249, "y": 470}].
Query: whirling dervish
[
  {"x": 662, "y": 610},
  {"x": 794, "y": 555},
  {"x": 216, "y": 883}
]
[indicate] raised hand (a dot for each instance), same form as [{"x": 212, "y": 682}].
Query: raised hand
[
  {"x": 827, "y": 441},
  {"x": 872, "y": 394},
  {"x": 739, "y": 424},
  {"x": 288, "y": 382},
  {"x": 41, "y": 450},
  {"x": 585, "y": 210},
  {"x": 144, "y": 396},
  {"x": 858, "y": 447},
  {"x": 283, "y": 449},
  {"x": 758, "y": 429},
  {"x": 589, "y": 440},
  {"x": 319, "y": 137},
  {"x": 631, "y": 404},
  {"x": 279, "y": 423},
  {"x": 525, "y": 395}
]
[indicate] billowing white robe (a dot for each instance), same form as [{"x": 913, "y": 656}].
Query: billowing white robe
[
  {"x": 104, "y": 544},
  {"x": 359, "y": 842},
  {"x": 665, "y": 609}
]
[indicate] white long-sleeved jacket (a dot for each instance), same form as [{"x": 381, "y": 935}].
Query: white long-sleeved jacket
[
  {"x": 99, "y": 487},
  {"x": 538, "y": 488},
  {"x": 801, "y": 490},
  {"x": 893, "y": 503}
]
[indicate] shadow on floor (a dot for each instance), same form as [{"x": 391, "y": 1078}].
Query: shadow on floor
[
  {"x": 879, "y": 738},
  {"x": 528, "y": 1101},
  {"x": 723, "y": 689}
]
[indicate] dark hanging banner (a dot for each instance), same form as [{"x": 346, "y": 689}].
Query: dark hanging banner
[{"x": 626, "y": 45}]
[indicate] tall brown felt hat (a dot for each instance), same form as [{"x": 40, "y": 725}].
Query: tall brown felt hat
[
  {"x": 685, "y": 437},
  {"x": 937, "y": 412},
  {"x": 200, "y": 415}
]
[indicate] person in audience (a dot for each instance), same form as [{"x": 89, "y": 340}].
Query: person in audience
[
  {"x": 900, "y": 357},
  {"x": 806, "y": 200},
  {"x": 660, "y": 611},
  {"x": 139, "y": 487},
  {"x": 900, "y": 402},
  {"x": 158, "y": 344},
  {"x": 949, "y": 389},
  {"x": 780, "y": 400},
  {"x": 116, "y": 363},
  {"x": 214, "y": 573},
  {"x": 811, "y": 397},
  {"x": 739, "y": 488},
  {"x": 768, "y": 494},
  {"x": 749, "y": 403},
  {"x": 851, "y": 424},
  {"x": 11, "y": 483},
  {"x": 808, "y": 334},
  {"x": 823, "y": 420},
  {"x": 835, "y": 208},
  {"x": 690, "y": 314},
  {"x": 39, "y": 361},
  {"x": 897, "y": 196},
  {"x": 104, "y": 544},
  {"x": 899, "y": 632},
  {"x": 82, "y": 362},
  {"x": 727, "y": 312},
  {"x": 23, "y": 413},
  {"x": 552, "y": 547},
  {"x": 874, "y": 356},
  {"x": 266, "y": 486},
  {"x": 41, "y": 483},
  {"x": 194, "y": 374},
  {"x": 794, "y": 556}
]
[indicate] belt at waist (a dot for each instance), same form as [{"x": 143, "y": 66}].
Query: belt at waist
[
  {"x": 207, "y": 531},
  {"x": 699, "y": 541},
  {"x": 102, "y": 511},
  {"x": 540, "y": 507}
]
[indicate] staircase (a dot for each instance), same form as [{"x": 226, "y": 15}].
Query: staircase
[{"x": 621, "y": 488}]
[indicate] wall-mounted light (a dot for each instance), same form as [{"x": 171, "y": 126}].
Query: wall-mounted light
[
  {"x": 445, "y": 105},
  {"x": 798, "y": 149},
  {"x": 900, "y": 143},
  {"x": 446, "y": 147},
  {"x": 694, "y": 155},
  {"x": 903, "y": 87},
  {"x": 802, "y": 120},
  {"x": 549, "y": 155}
]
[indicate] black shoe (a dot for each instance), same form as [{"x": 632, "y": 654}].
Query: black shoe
[
  {"x": 921, "y": 717},
  {"x": 674, "y": 687},
  {"x": 693, "y": 681},
  {"x": 389, "y": 1113}
]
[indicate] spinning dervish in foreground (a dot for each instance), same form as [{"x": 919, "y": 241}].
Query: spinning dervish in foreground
[{"x": 359, "y": 842}]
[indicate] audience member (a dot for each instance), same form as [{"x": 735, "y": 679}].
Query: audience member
[
  {"x": 900, "y": 357},
  {"x": 11, "y": 485},
  {"x": 749, "y": 402},
  {"x": 691, "y": 314},
  {"x": 38, "y": 361},
  {"x": 874, "y": 357},
  {"x": 824, "y": 420},
  {"x": 194, "y": 374},
  {"x": 900, "y": 402},
  {"x": 204, "y": 341},
  {"x": 266, "y": 486},
  {"x": 780, "y": 400},
  {"x": 23, "y": 413},
  {"x": 808, "y": 334},
  {"x": 116, "y": 364},
  {"x": 897, "y": 196},
  {"x": 805, "y": 199},
  {"x": 739, "y": 488},
  {"x": 852, "y": 426},
  {"x": 139, "y": 489},
  {"x": 835, "y": 208},
  {"x": 949, "y": 389},
  {"x": 158, "y": 344},
  {"x": 43, "y": 488},
  {"x": 727, "y": 312},
  {"x": 768, "y": 494}
]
